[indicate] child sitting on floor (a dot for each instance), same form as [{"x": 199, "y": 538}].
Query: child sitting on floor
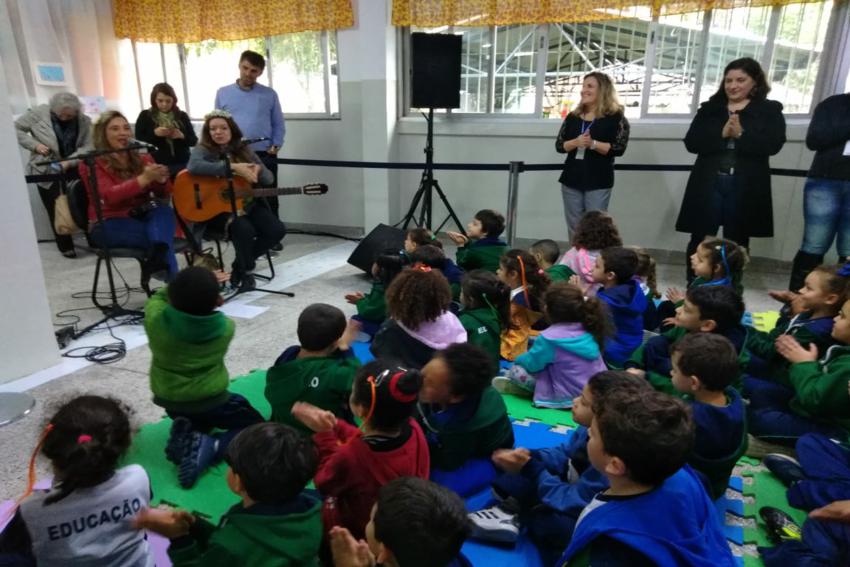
[
  {"x": 546, "y": 489},
  {"x": 615, "y": 270},
  {"x": 417, "y": 237},
  {"x": 419, "y": 320},
  {"x": 528, "y": 283},
  {"x": 486, "y": 310},
  {"x": 481, "y": 248},
  {"x": 595, "y": 231},
  {"x": 645, "y": 273},
  {"x": 372, "y": 306},
  {"x": 707, "y": 309},
  {"x": 354, "y": 464},
  {"x": 810, "y": 322},
  {"x": 84, "y": 518},
  {"x": 276, "y": 523},
  {"x": 319, "y": 370},
  {"x": 463, "y": 417},
  {"x": 414, "y": 523},
  {"x": 188, "y": 339},
  {"x": 816, "y": 402},
  {"x": 546, "y": 252},
  {"x": 656, "y": 511},
  {"x": 704, "y": 366},
  {"x": 433, "y": 256},
  {"x": 565, "y": 355}
]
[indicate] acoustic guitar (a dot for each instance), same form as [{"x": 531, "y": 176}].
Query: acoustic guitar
[{"x": 198, "y": 198}]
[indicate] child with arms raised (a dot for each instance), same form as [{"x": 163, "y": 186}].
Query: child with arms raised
[
  {"x": 565, "y": 355},
  {"x": 546, "y": 252},
  {"x": 596, "y": 230},
  {"x": 656, "y": 510},
  {"x": 546, "y": 489},
  {"x": 615, "y": 270},
  {"x": 353, "y": 464},
  {"x": 528, "y": 283},
  {"x": 463, "y": 417},
  {"x": 481, "y": 248},
  {"x": 419, "y": 320},
  {"x": 319, "y": 370},
  {"x": 704, "y": 367},
  {"x": 276, "y": 523},
  {"x": 188, "y": 339},
  {"x": 414, "y": 523},
  {"x": 372, "y": 306},
  {"x": 486, "y": 310},
  {"x": 85, "y": 517}
]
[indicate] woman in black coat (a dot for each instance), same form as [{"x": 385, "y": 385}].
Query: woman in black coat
[
  {"x": 168, "y": 128},
  {"x": 733, "y": 134}
]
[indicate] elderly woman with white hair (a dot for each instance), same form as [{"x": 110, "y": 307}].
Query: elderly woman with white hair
[{"x": 55, "y": 130}]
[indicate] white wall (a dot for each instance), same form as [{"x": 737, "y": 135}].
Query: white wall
[{"x": 27, "y": 342}]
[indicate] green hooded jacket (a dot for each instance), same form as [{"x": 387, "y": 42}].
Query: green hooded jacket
[
  {"x": 373, "y": 306},
  {"x": 187, "y": 363},
  {"x": 483, "y": 329},
  {"x": 559, "y": 273},
  {"x": 483, "y": 254},
  {"x": 821, "y": 387}
]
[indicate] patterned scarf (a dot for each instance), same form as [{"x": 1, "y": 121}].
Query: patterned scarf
[{"x": 166, "y": 120}]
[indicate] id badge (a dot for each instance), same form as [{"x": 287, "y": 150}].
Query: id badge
[{"x": 582, "y": 152}]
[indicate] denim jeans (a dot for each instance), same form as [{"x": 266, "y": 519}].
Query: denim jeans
[
  {"x": 826, "y": 210},
  {"x": 578, "y": 202},
  {"x": 157, "y": 227}
]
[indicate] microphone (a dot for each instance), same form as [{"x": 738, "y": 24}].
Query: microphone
[
  {"x": 249, "y": 141},
  {"x": 150, "y": 147}
]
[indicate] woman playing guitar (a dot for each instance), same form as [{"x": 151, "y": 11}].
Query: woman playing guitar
[{"x": 256, "y": 229}]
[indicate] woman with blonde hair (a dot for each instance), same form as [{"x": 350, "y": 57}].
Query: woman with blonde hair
[
  {"x": 592, "y": 135},
  {"x": 129, "y": 185}
]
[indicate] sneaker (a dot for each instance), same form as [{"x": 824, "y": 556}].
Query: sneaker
[
  {"x": 780, "y": 526},
  {"x": 198, "y": 456},
  {"x": 495, "y": 525},
  {"x": 506, "y": 386},
  {"x": 785, "y": 468},
  {"x": 175, "y": 447},
  {"x": 759, "y": 448},
  {"x": 277, "y": 247}
]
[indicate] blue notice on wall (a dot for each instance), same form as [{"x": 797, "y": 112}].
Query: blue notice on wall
[{"x": 50, "y": 74}]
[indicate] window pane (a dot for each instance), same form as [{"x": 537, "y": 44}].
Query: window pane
[
  {"x": 474, "y": 67},
  {"x": 150, "y": 68},
  {"x": 797, "y": 54},
  {"x": 212, "y": 64},
  {"x": 172, "y": 74},
  {"x": 334, "y": 73},
  {"x": 129, "y": 102},
  {"x": 298, "y": 72},
  {"x": 616, "y": 47},
  {"x": 516, "y": 64},
  {"x": 678, "y": 49},
  {"x": 740, "y": 32}
]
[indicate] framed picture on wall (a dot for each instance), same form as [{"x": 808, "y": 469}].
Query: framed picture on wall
[{"x": 50, "y": 74}]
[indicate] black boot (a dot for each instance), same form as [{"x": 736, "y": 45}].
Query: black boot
[{"x": 803, "y": 264}]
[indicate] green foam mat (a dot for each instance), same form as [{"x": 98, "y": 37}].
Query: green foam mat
[
  {"x": 521, "y": 408},
  {"x": 766, "y": 490},
  {"x": 210, "y": 497}
]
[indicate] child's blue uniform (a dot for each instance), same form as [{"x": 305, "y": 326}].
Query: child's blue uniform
[
  {"x": 673, "y": 525},
  {"x": 626, "y": 303}
]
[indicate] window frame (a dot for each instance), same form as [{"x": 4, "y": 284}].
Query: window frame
[
  {"x": 325, "y": 46},
  {"x": 824, "y": 80}
]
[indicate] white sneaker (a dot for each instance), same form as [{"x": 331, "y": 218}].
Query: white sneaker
[
  {"x": 495, "y": 525},
  {"x": 506, "y": 386}
]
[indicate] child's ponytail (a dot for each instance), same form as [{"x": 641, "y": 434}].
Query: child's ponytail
[
  {"x": 565, "y": 303},
  {"x": 389, "y": 392},
  {"x": 597, "y": 321},
  {"x": 482, "y": 289}
]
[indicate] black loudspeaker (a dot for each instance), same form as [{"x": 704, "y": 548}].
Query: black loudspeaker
[
  {"x": 435, "y": 67},
  {"x": 382, "y": 236}
]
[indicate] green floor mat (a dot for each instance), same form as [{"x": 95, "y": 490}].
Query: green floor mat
[
  {"x": 521, "y": 408},
  {"x": 767, "y": 490}
]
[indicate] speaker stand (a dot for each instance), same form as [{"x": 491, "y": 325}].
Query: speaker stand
[{"x": 424, "y": 194}]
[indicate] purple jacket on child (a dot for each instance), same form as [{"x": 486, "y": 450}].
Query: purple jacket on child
[{"x": 562, "y": 360}]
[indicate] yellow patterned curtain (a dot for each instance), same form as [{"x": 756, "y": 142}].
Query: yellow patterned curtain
[
  {"x": 432, "y": 13},
  {"x": 189, "y": 21}
]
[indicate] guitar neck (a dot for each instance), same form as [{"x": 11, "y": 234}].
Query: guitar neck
[{"x": 270, "y": 192}]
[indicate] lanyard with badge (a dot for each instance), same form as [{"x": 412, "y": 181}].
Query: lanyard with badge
[{"x": 583, "y": 130}]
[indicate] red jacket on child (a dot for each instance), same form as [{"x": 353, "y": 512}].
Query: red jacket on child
[{"x": 353, "y": 467}]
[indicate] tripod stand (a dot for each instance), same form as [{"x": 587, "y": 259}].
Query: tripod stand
[
  {"x": 424, "y": 194},
  {"x": 113, "y": 310},
  {"x": 234, "y": 211}
]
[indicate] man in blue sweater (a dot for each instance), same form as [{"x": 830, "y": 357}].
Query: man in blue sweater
[{"x": 256, "y": 110}]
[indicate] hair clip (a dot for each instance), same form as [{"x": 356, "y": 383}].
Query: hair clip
[
  {"x": 420, "y": 267},
  {"x": 398, "y": 394},
  {"x": 844, "y": 270},
  {"x": 540, "y": 271},
  {"x": 83, "y": 439},
  {"x": 217, "y": 113}
]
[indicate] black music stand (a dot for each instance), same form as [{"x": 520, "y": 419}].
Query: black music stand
[
  {"x": 114, "y": 310},
  {"x": 427, "y": 185},
  {"x": 234, "y": 210}
]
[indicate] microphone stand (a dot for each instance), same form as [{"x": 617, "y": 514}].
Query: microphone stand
[
  {"x": 114, "y": 309},
  {"x": 234, "y": 211}
]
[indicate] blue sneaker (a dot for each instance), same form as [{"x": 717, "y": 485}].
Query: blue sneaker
[
  {"x": 175, "y": 448},
  {"x": 785, "y": 468},
  {"x": 199, "y": 455}
]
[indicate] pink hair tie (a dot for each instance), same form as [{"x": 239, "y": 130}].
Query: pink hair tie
[
  {"x": 83, "y": 439},
  {"x": 540, "y": 271}
]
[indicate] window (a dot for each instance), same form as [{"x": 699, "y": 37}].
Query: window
[
  {"x": 301, "y": 67},
  {"x": 663, "y": 64}
]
